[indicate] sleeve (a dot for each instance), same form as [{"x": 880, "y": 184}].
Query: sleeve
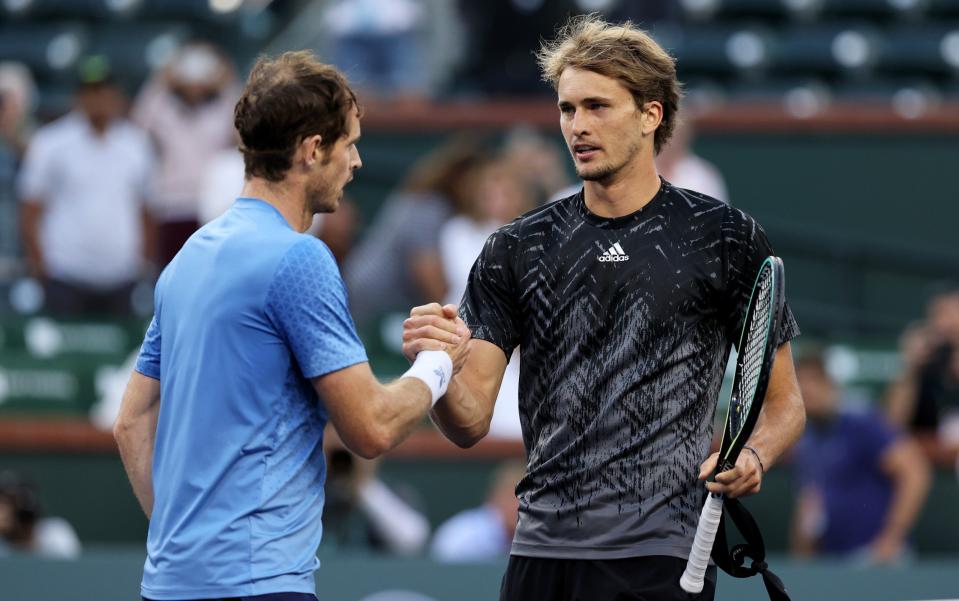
[
  {"x": 490, "y": 305},
  {"x": 307, "y": 303},
  {"x": 36, "y": 179},
  {"x": 148, "y": 362},
  {"x": 745, "y": 247}
]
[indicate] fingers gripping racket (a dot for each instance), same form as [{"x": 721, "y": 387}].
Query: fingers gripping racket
[{"x": 757, "y": 349}]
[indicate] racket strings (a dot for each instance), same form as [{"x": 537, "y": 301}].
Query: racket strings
[{"x": 754, "y": 351}]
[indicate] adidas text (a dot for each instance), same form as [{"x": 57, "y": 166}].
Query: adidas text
[{"x": 614, "y": 254}]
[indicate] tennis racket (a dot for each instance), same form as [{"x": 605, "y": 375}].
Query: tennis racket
[{"x": 757, "y": 349}]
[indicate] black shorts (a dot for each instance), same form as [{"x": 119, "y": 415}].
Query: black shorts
[
  {"x": 654, "y": 578},
  {"x": 267, "y": 597}
]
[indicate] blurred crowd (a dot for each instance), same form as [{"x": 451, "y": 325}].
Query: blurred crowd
[
  {"x": 96, "y": 202},
  {"x": 863, "y": 469}
]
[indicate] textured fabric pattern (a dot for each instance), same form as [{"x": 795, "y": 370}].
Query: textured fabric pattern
[
  {"x": 307, "y": 302},
  {"x": 625, "y": 327}
]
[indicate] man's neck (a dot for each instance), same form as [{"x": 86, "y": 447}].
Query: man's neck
[
  {"x": 631, "y": 189},
  {"x": 288, "y": 199}
]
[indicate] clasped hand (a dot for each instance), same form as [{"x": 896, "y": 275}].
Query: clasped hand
[{"x": 434, "y": 327}]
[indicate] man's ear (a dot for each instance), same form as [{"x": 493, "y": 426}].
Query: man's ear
[
  {"x": 652, "y": 116},
  {"x": 310, "y": 149}
]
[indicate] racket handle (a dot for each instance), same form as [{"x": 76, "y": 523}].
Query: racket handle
[{"x": 693, "y": 577}]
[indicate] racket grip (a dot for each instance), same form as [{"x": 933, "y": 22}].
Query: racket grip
[{"x": 693, "y": 577}]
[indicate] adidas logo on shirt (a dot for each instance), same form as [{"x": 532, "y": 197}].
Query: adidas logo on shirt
[{"x": 614, "y": 254}]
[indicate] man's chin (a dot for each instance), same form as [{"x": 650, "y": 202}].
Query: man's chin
[
  {"x": 327, "y": 205},
  {"x": 594, "y": 175}
]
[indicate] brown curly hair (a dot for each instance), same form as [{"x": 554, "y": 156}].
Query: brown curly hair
[{"x": 286, "y": 100}]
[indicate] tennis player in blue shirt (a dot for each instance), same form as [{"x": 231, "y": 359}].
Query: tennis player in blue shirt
[{"x": 251, "y": 351}]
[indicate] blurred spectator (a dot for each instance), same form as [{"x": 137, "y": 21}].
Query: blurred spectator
[
  {"x": 23, "y": 529},
  {"x": 684, "y": 169},
  {"x": 187, "y": 108},
  {"x": 376, "y": 43},
  {"x": 861, "y": 483},
  {"x": 221, "y": 183},
  {"x": 540, "y": 163},
  {"x": 497, "y": 194},
  {"x": 397, "y": 264},
  {"x": 17, "y": 95},
  {"x": 485, "y": 532},
  {"x": 361, "y": 511},
  {"x": 82, "y": 186},
  {"x": 925, "y": 396}
]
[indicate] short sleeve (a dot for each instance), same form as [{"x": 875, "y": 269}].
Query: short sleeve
[
  {"x": 148, "y": 361},
  {"x": 36, "y": 179},
  {"x": 490, "y": 305},
  {"x": 308, "y": 305},
  {"x": 745, "y": 247}
]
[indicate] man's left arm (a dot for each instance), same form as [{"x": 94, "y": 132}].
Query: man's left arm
[
  {"x": 780, "y": 424},
  {"x": 135, "y": 433}
]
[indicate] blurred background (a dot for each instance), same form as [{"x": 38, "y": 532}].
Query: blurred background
[{"x": 834, "y": 122}]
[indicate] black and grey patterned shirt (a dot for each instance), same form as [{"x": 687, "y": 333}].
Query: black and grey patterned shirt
[{"x": 625, "y": 326}]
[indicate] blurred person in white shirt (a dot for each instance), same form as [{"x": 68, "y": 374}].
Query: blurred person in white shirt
[{"x": 82, "y": 186}]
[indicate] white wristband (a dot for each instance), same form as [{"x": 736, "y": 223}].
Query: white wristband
[{"x": 433, "y": 368}]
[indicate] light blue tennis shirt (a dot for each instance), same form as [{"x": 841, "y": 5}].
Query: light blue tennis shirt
[{"x": 245, "y": 314}]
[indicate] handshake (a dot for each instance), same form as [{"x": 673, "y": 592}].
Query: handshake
[{"x": 434, "y": 327}]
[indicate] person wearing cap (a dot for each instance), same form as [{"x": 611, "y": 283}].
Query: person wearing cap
[
  {"x": 187, "y": 108},
  {"x": 82, "y": 186}
]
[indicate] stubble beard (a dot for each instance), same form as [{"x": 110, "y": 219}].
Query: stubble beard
[
  {"x": 322, "y": 199},
  {"x": 606, "y": 173}
]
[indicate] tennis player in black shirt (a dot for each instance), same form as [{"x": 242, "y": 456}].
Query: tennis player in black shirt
[{"x": 625, "y": 299}]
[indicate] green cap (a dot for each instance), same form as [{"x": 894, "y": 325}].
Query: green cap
[{"x": 94, "y": 70}]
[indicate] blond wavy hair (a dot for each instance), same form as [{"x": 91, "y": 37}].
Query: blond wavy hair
[{"x": 620, "y": 51}]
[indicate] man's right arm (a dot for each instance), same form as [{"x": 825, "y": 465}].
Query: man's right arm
[
  {"x": 135, "y": 433},
  {"x": 372, "y": 418}
]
